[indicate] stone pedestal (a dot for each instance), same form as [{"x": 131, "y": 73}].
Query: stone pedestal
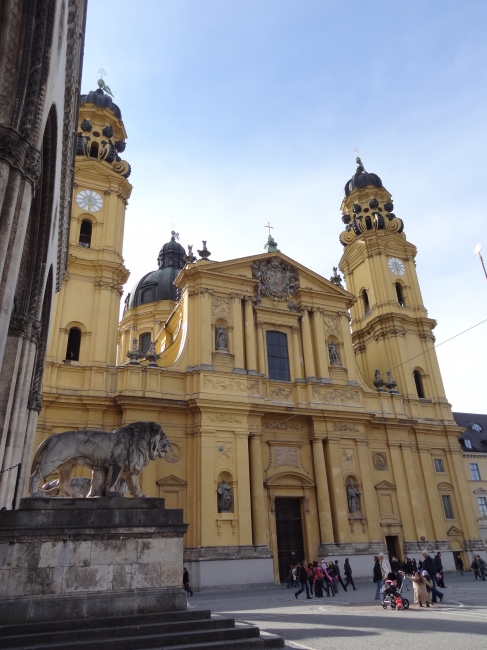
[{"x": 73, "y": 558}]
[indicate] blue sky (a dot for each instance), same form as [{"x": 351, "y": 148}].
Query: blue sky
[{"x": 244, "y": 111}]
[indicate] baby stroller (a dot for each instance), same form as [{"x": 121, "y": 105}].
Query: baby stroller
[{"x": 393, "y": 596}]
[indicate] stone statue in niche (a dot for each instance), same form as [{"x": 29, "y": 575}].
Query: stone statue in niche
[
  {"x": 224, "y": 497},
  {"x": 353, "y": 498},
  {"x": 333, "y": 352},
  {"x": 221, "y": 342}
]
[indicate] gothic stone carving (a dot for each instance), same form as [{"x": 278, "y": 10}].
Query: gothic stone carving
[{"x": 276, "y": 279}]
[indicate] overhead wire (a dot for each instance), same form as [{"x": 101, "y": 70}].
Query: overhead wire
[{"x": 438, "y": 345}]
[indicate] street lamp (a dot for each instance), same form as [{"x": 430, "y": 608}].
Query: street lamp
[{"x": 477, "y": 248}]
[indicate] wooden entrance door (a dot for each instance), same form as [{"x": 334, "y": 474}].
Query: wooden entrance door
[{"x": 290, "y": 545}]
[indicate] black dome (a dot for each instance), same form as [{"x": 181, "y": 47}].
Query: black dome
[
  {"x": 99, "y": 98},
  {"x": 361, "y": 179},
  {"x": 159, "y": 285}
]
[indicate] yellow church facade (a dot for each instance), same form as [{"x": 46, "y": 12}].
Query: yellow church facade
[{"x": 305, "y": 419}]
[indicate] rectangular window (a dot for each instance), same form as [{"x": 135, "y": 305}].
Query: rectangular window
[
  {"x": 447, "y": 507},
  {"x": 474, "y": 472},
  {"x": 482, "y": 501},
  {"x": 277, "y": 356},
  {"x": 439, "y": 465}
]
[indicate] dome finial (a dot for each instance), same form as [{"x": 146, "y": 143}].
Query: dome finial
[
  {"x": 358, "y": 160},
  {"x": 102, "y": 85},
  {"x": 174, "y": 235}
]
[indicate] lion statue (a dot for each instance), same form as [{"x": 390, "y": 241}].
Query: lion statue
[{"x": 110, "y": 455}]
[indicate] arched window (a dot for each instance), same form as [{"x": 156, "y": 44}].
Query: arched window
[
  {"x": 94, "y": 150},
  {"x": 277, "y": 356},
  {"x": 365, "y": 299},
  {"x": 74, "y": 344},
  {"x": 418, "y": 380},
  {"x": 144, "y": 342},
  {"x": 400, "y": 295},
  {"x": 85, "y": 234}
]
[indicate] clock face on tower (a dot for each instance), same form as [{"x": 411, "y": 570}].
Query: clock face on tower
[
  {"x": 89, "y": 200},
  {"x": 396, "y": 266}
]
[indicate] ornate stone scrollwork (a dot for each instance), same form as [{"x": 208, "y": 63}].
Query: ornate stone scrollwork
[
  {"x": 276, "y": 279},
  {"x": 24, "y": 327},
  {"x": 34, "y": 403}
]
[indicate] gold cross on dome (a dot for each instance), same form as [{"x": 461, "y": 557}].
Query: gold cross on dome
[
  {"x": 101, "y": 72},
  {"x": 268, "y": 225}
]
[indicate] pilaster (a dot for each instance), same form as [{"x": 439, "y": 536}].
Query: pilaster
[{"x": 251, "y": 361}]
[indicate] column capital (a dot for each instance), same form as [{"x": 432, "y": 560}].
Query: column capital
[
  {"x": 249, "y": 299},
  {"x": 237, "y": 296},
  {"x": 295, "y": 329},
  {"x": 260, "y": 324}
]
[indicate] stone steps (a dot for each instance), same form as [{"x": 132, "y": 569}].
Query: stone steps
[{"x": 167, "y": 631}]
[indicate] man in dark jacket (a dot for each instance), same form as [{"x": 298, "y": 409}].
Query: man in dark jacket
[
  {"x": 347, "y": 570},
  {"x": 303, "y": 580},
  {"x": 430, "y": 567},
  {"x": 439, "y": 571},
  {"x": 186, "y": 584},
  {"x": 338, "y": 576}
]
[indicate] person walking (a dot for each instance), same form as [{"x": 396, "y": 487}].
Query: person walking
[
  {"x": 420, "y": 585},
  {"x": 328, "y": 583},
  {"x": 434, "y": 591},
  {"x": 377, "y": 577},
  {"x": 440, "y": 576},
  {"x": 407, "y": 570},
  {"x": 338, "y": 575},
  {"x": 334, "y": 581},
  {"x": 295, "y": 576},
  {"x": 347, "y": 570},
  {"x": 475, "y": 568},
  {"x": 303, "y": 580},
  {"x": 481, "y": 565},
  {"x": 430, "y": 567},
  {"x": 186, "y": 584},
  {"x": 385, "y": 567},
  {"x": 318, "y": 579},
  {"x": 459, "y": 564},
  {"x": 309, "y": 571}
]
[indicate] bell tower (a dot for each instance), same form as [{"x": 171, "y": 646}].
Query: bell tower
[
  {"x": 86, "y": 312},
  {"x": 391, "y": 330}
]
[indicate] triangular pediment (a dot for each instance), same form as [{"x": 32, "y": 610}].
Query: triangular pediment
[
  {"x": 444, "y": 486},
  {"x": 454, "y": 532},
  {"x": 171, "y": 480},
  {"x": 385, "y": 485},
  {"x": 480, "y": 491},
  {"x": 242, "y": 268}
]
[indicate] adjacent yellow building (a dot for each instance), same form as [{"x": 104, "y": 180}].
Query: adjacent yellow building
[{"x": 322, "y": 409}]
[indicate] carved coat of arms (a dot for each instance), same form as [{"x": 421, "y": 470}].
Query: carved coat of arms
[{"x": 276, "y": 279}]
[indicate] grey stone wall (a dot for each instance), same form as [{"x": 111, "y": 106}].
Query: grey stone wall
[{"x": 57, "y": 554}]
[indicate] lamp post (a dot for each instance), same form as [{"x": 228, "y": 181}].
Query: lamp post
[{"x": 477, "y": 248}]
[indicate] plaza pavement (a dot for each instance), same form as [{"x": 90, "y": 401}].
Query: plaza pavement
[{"x": 355, "y": 620}]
